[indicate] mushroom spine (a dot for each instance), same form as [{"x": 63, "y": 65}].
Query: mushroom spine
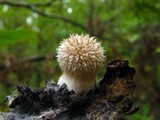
[{"x": 80, "y": 57}]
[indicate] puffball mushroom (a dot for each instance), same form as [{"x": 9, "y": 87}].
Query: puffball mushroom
[{"x": 80, "y": 57}]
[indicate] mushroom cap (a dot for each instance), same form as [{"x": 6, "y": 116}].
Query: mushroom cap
[{"x": 80, "y": 54}]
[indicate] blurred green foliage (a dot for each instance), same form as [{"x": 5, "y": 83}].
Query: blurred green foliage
[
  {"x": 128, "y": 29},
  {"x": 11, "y": 37},
  {"x": 144, "y": 113}
]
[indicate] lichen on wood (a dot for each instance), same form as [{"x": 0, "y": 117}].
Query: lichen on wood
[{"x": 110, "y": 99}]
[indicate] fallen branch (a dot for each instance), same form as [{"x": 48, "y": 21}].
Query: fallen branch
[{"x": 111, "y": 99}]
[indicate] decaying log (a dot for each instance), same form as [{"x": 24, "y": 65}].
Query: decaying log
[{"x": 110, "y": 99}]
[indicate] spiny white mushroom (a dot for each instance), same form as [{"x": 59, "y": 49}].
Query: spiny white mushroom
[{"x": 80, "y": 58}]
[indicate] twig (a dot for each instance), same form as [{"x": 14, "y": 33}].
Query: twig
[
  {"x": 58, "y": 17},
  {"x": 33, "y": 8},
  {"x": 38, "y": 58},
  {"x": 90, "y": 16},
  {"x": 22, "y": 4},
  {"x": 30, "y": 59}
]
